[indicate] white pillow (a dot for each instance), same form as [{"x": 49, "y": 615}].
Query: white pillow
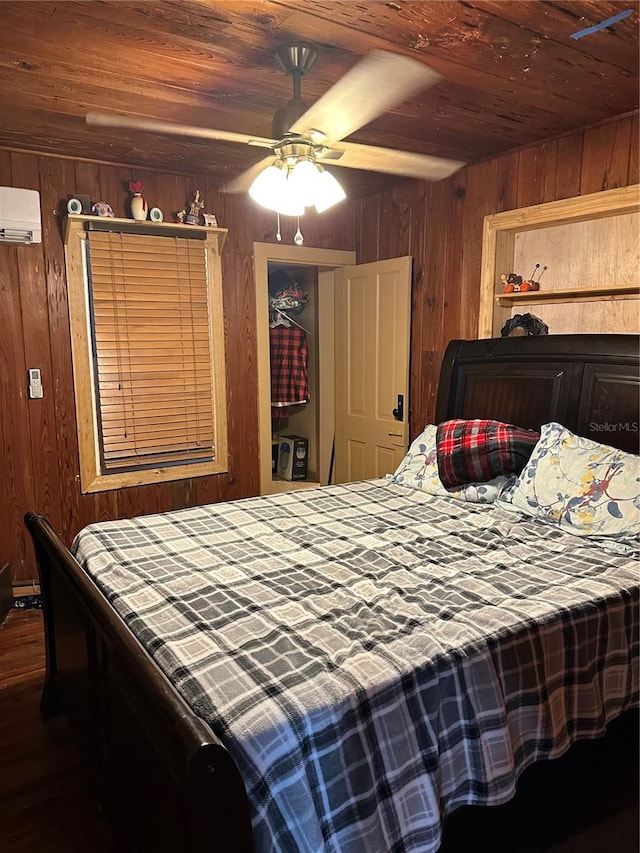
[
  {"x": 419, "y": 470},
  {"x": 585, "y": 487}
]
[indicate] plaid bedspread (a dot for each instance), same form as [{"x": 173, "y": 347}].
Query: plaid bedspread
[{"x": 374, "y": 657}]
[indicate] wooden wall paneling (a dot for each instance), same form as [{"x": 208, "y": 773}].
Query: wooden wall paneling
[
  {"x": 568, "y": 166},
  {"x": 16, "y": 487},
  {"x": 417, "y": 205},
  {"x": 618, "y": 171},
  {"x": 439, "y": 201},
  {"x": 343, "y": 228},
  {"x": 15, "y": 461},
  {"x": 87, "y": 182},
  {"x": 248, "y": 223},
  {"x": 57, "y": 181},
  {"x": 237, "y": 214},
  {"x": 336, "y": 230},
  {"x": 605, "y": 157},
  {"x": 536, "y": 174},
  {"x": 44, "y": 476},
  {"x": 242, "y": 415},
  {"x": 142, "y": 500},
  {"x": 430, "y": 372},
  {"x": 367, "y": 219},
  {"x": 454, "y": 290},
  {"x": 394, "y": 230},
  {"x": 634, "y": 154},
  {"x": 480, "y": 199}
]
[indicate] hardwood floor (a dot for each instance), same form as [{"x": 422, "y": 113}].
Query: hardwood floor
[
  {"x": 46, "y": 802},
  {"x": 584, "y": 802}
]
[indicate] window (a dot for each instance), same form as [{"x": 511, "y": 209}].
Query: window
[{"x": 148, "y": 351}]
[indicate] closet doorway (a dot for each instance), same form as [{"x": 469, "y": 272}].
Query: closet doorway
[{"x": 314, "y": 269}]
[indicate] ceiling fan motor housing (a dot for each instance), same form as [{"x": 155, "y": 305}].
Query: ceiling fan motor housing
[{"x": 295, "y": 60}]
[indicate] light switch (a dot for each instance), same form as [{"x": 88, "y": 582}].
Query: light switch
[{"x": 35, "y": 383}]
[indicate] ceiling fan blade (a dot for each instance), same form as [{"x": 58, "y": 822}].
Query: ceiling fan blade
[
  {"x": 376, "y": 84},
  {"x": 392, "y": 162},
  {"x": 243, "y": 181},
  {"x": 174, "y": 129}
]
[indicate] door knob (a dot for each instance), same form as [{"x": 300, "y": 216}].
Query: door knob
[{"x": 398, "y": 413}]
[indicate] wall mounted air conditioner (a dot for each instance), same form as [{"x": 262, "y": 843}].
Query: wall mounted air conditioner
[{"x": 20, "y": 216}]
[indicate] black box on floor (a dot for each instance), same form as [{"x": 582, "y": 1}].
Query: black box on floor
[{"x": 293, "y": 455}]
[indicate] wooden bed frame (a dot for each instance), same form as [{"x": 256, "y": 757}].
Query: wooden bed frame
[{"x": 162, "y": 776}]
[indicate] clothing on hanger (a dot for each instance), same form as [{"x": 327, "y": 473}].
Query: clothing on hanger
[{"x": 289, "y": 366}]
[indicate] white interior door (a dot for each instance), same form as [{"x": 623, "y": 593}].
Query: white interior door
[{"x": 372, "y": 326}]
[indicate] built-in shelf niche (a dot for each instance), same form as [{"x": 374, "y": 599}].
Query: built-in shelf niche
[{"x": 591, "y": 247}]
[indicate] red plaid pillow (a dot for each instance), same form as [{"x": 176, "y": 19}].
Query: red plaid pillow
[{"x": 474, "y": 451}]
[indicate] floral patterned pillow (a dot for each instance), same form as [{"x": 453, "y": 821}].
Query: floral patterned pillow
[
  {"x": 587, "y": 488},
  {"x": 419, "y": 470}
]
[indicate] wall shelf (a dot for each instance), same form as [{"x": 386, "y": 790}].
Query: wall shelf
[
  {"x": 582, "y": 240},
  {"x": 581, "y": 294},
  {"x": 86, "y": 222}
]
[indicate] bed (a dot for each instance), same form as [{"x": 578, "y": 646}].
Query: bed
[{"x": 341, "y": 668}]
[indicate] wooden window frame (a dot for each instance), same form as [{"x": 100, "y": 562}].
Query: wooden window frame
[{"x": 92, "y": 477}]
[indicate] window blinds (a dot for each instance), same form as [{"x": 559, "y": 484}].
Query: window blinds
[{"x": 152, "y": 350}]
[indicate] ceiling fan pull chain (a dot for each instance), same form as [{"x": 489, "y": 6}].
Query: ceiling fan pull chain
[
  {"x": 298, "y": 239},
  {"x": 278, "y": 234}
]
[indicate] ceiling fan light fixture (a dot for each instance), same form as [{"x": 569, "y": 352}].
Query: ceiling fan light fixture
[
  {"x": 328, "y": 191},
  {"x": 289, "y": 203},
  {"x": 268, "y": 187},
  {"x": 294, "y": 182},
  {"x": 303, "y": 180}
]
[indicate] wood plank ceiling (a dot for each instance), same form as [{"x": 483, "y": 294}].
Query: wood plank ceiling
[{"x": 512, "y": 74}]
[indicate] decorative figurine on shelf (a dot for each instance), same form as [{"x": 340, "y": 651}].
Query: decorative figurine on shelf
[
  {"x": 532, "y": 283},
  {"x": 195, "y": 209},
  {"x": 513, "y": 283},
  {"x": 210, "y": 219},
  {"x": 138, "y": 202},
  {"x": 101, "y": 208}
]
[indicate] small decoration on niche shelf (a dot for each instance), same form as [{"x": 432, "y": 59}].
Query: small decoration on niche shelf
[
  {"x": 138, "y": 202},
  {"x": 210, "y": 220},
  {"x": 513, "y": 283},
  {"x": 192, "y": 215},
  {"x": 156, "y": 215},
  {"x": 101, "y": 208}
]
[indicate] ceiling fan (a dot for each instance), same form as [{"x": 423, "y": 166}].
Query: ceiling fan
[{"x": 376, "y": 84}]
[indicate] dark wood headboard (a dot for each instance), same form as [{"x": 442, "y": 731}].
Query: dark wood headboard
[{"x": 588, "y": 383}]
